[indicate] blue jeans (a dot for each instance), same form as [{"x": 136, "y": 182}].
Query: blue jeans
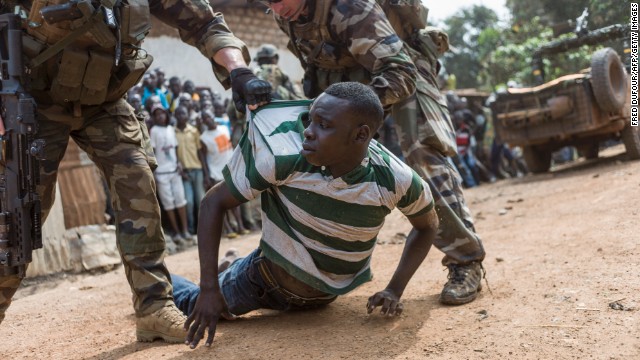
[
  {"x": 245, "y": 289},
  {"x": 194, "y": 192}
]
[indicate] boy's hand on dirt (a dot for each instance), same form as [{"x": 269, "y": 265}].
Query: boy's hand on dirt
[
  {"x": 389, "y": 301},
  {"x": 210, "y": 306},
  {"x": 1, "y": 126}
]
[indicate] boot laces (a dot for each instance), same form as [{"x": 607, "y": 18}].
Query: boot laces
[
  {"x": 172, "y": 314},
  {"x": 457, "y": 274}
]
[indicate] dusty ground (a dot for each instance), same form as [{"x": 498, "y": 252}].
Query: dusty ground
[{"x": 560, "y": 248}]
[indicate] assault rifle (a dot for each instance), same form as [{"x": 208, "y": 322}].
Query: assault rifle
[{"x": 20, "y": 155}]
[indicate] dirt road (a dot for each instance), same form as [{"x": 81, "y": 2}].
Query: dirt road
[{"x": 560, "y": 248}]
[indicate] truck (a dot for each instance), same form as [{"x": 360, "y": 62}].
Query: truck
[{"x": 580, "y": 110}]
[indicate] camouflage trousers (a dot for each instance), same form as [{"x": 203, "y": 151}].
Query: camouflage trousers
[
  {"x": 425, "y": 150},
  {"x": 118, "y": 143}
]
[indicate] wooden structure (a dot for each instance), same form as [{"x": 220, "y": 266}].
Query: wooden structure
[{"x": 82, "y": 194}]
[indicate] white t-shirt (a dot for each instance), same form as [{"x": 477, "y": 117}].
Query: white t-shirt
[
  {"x": 219, "y": 150},
  {"x": 164, "y": 143}
]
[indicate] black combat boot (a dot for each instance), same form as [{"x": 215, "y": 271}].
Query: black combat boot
[{"x": 463, "y": 285}]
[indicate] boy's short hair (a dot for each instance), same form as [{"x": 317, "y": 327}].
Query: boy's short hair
[{"x": 363, "y": 100}]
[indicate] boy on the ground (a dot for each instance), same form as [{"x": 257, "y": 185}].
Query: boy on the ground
[{"x": 326, "y": 191}]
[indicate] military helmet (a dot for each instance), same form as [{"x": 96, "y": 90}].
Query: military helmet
[{"x": 267, "y": 51}]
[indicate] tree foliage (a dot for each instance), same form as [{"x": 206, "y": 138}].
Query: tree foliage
[
  {"x": 466, "y": 30},
  {"x": 487, "y": 53}
]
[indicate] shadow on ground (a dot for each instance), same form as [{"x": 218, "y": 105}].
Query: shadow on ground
[{"x": 342, "y": 329}]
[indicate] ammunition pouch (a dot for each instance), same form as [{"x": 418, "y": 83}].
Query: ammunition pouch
[
  {"x": 88, "y": 77},
  {"x": 126, "y": 75},
  {"x": 96, "y": 79},
  {"x": 67, "y": 85},
  {"x": 66, "y": 65},
  {"x": 135, "y": 21}
]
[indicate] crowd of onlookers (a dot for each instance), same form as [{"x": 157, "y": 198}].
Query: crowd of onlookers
[{"x": 191, "y": 136}]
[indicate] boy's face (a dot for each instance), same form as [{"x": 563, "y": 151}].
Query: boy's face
[
  {"x": 218, "y": 109},
  {"x": 151, "y": 81},
  {"x": 175, "y": 87},
  {"x": 206, "y": 105},
  {"x": 181, "y": 116},
  {"x": 160, "y": 78},
  {"x": 330, "y": 138},
  {"x": 205, "y": 95},
  {"x": 185, "y": 102},
  {"x": 160, "y": 117},
  {"x": 188, "y": 87},
  {"x": 209, "y": 121}
]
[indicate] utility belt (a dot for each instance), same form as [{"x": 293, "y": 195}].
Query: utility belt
[{"x": 83, "y": 54}]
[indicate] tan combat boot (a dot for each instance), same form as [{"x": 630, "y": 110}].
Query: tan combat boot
[
  {"x": 166, "y": 323},
  {"x": 463, "y": 285}
]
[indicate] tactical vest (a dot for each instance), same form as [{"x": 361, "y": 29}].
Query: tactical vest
[
  {"x": 327, "y": 61},
  {"x": 82, "y": 60}
]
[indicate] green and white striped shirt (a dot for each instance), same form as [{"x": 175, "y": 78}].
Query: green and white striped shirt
[{"x": 320, "y": 229}]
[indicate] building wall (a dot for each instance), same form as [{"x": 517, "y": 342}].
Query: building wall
[{"x": 250, "y": 24}]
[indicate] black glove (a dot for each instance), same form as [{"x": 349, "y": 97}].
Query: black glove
[{"x": 247, "y": 88}]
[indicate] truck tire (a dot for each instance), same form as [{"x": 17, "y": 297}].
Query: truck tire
[
  {"x": 538, "y": 160},
  {"x": 608, "y": 80},
  {"x": 631, "y": 140}
]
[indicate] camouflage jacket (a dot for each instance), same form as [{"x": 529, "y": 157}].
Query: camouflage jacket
[{"x": 361, "y": 46}]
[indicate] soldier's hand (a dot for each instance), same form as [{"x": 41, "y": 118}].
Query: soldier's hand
[
  {"x": 210, "y": 307},
  {"x": 389, "y": 301},
  {"x": 248, "y": 89},
  {"x": 1, "y": 126}
]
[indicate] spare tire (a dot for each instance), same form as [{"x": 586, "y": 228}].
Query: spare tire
[{"x": 608, "y": 80}]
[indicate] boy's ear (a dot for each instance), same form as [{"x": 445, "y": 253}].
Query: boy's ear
[{"x": 364, "y": 133}]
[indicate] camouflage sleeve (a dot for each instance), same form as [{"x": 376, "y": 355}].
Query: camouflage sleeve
[
  {"x": 363, "y": 26},
  {"x": 199, "y": 26}
]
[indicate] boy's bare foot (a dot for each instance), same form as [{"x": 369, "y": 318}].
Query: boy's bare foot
[{"x": 229, "y": 257}]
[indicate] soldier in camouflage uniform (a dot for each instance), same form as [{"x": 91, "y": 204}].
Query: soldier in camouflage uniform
[
  {"x": 268, "y": 70},
  {"x": 344, "y": 40},
  {"x": 79, "y": 88}
]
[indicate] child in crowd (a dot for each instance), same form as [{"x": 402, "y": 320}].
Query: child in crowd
[
  {"x": 192, "y": 161},
  {"x": 220, "y": 114},
  {"x": 167, "y": 174},
  {"x": 217, "y": 148}
]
